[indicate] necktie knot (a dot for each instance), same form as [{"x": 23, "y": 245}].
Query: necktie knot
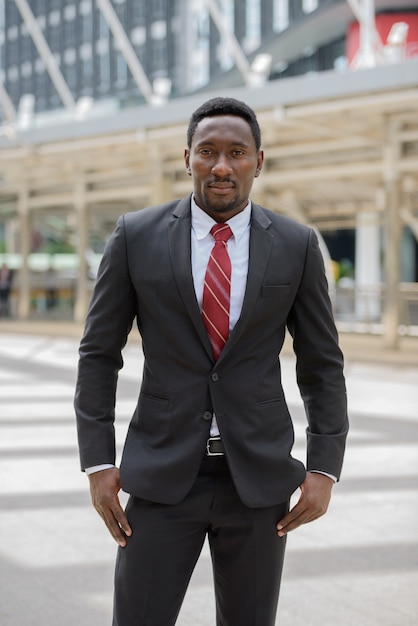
[{"x": 221, "y": 232}]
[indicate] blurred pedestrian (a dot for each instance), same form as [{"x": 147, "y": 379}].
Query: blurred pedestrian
[
  {"x": 6, "y": 277},
  {"x": 51, "y": 282}
]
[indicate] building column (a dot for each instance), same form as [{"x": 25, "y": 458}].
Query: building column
[
  {"x": 392, "y": 261},
  {"x": 23, "y": 307},
  {"x": 82, "y": 296},
  {"x": 367, "y": 268}
]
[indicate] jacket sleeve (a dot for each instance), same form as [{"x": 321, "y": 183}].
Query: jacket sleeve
[
  {"x": 109, "y": 321},
  {"x": 319, "y": 366}
]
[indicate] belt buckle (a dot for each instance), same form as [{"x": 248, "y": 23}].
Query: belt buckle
[{"x": 208, "y": 446}]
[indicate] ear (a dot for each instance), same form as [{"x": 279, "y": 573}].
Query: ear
[
  {"x": 187, "y": 161},
  {"x": 260, "y": 160}
]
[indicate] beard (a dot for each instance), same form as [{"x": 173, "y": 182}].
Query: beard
[{"x": 220, "y": 205}]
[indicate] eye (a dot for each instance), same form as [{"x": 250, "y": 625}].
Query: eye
[
  {"x": 205, "y": 151},
  {"x": 238, "y": 152}
]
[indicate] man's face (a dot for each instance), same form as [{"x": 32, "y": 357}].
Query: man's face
[{"x": 223, "y": 161}]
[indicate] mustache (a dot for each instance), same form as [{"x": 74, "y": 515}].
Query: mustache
[{"x": 219, "y": 179}]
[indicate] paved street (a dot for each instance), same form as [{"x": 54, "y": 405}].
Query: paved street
[{"x": 357, "y": 566}]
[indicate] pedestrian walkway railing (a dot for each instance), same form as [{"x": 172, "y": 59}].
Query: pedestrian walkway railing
[{"x": 361, "y": 308}]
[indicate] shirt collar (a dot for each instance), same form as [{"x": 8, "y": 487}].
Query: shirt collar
[{"x": 202, "y": 222}]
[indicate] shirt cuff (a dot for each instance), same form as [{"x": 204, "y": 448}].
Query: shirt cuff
[
  {"x": 334, "y": 478},
  {"x": 97, "y": 468}
]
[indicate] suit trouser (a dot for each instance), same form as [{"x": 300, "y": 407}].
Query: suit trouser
[{"x": 154, "y": 569}]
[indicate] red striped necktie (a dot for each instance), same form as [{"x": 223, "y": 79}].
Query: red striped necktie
[{"x": 217, "y": 290}]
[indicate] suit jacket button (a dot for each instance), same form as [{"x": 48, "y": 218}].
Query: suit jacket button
[
  {"x": 207, "y": 415},
  {"x": 215, "y": 377}
]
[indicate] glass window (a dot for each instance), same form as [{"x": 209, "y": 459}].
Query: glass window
[
  {"x": 138, "y": 36},
  {"x": 104, "y": 72},
  {"x": 158, "y": 8},
  {"x": 103, "y": 27},
  {"x": 70, "y": 56},
  {"x": 224, "y": 56},
  {"x": 139, "y": 11},
  {"x": 12, "y": 33},
  {"x": 54, "y": 18},
  {"x": 309, "y": 5},
  {"x": 13, "y": 73},
  {"x": 69, "y": 12},
  {"x": 199, "y": 58},
  {"x": 70, "y": 33},
  {"x": 13, "y": 53},
  {"x": 40, "y": 8},
  {"x": 102, "y": 46},
  {"x": 85, "y": 51},
  {"x": 252, "y": 26},
  {"x": 55, "y": 37},
  {"x": 121, "y": 70},
  {"x": 159, "y": 56},
  {"x": 280, "y": 15},
  {"x": 85, "y": 7},
  {"x": 41, "y": 21},
  {"x": 26, "y": 48},
  {"x": 87, "y": 28},
  {"x": 71, "y": 76},
  {"x": 39, "y": 66},
  {"x": 86, "y": 70},
  {"x": 159, "y": 30}
]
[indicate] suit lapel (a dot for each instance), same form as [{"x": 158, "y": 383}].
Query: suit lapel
[
  {"x": 261, "y": 242},
  {"x": 180, "y": 254}
]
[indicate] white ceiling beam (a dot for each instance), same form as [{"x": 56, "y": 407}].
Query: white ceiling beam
[
  {"x": 397, "y": 99},
  {"x": 232, "y": 42}
]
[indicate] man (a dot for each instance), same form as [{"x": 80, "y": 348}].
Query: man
[{"x": 208, "y": 448}]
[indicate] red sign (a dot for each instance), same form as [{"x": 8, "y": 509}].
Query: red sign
[{"x": 384, "y": 23}]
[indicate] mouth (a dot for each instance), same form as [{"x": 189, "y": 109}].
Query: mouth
[{"x": 221, "y": 187}]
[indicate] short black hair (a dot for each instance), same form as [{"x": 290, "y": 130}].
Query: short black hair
[{"x": 224, "y": 106}]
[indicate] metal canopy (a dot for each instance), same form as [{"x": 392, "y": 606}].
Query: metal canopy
[{"x": 336, "y": 145}]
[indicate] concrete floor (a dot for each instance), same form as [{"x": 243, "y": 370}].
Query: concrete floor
[{"x": 357, "y": 566}]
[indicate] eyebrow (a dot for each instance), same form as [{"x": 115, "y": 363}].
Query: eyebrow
[{"x": 210, "y": 142}]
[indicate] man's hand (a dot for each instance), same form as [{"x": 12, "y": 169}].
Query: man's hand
[
  {"x": 313, "y": 502},
  {"x": 104, "y": 489}
]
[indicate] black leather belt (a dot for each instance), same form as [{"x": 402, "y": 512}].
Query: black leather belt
[{"x": 215, "y": 447}]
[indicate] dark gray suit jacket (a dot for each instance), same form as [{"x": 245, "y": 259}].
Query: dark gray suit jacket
[{"x": 146, "y": 274}]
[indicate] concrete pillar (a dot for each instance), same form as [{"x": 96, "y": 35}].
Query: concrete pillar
[
  {"x": 23, "y": 307},
  {"x": 392, "y": 261},
  {"x": 82, "y": 296},
  {"x": 367, "y": 264}
]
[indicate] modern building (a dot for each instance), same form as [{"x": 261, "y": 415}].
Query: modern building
[
  {"x": 95, "y": 95},
  {"x": 100, "y": 48}
]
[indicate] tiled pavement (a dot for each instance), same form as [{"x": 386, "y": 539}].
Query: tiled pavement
[{"x": 357, "y": 566}]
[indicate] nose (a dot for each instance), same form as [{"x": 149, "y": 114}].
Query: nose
[{"x": 222, "y": 166}]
